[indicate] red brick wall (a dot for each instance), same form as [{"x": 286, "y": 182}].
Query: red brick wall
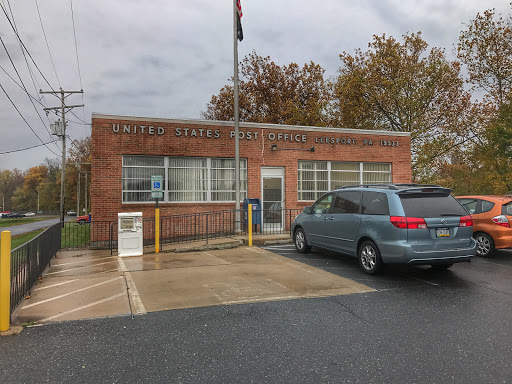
[{"x": 108, "y": 148}]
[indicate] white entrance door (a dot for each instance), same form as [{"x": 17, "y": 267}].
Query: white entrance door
[{"x": 272, "y": 186}]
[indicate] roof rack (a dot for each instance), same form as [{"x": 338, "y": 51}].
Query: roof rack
[{"x": 396, "y": 186}]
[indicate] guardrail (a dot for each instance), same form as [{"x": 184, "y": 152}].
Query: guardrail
[{"x": 29, "y": 260}]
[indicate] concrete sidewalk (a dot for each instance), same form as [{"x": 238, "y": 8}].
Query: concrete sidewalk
[{"x": 90, "y": 283}]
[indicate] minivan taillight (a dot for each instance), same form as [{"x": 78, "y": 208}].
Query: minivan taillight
[
  {"x": 466, "y": 221},
  {"x": 408, "y": 222},
  {"x": 501, "y": 220}
]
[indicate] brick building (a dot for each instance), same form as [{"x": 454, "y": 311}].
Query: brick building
[{"x": 284, "y": 166}]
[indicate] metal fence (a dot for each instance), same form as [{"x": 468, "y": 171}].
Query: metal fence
[
  {"x": 181, "y": 228},
  {"x": 29, "y": 260}
]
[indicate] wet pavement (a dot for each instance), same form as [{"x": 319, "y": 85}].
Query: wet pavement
[{"x": 90, "y": 283}]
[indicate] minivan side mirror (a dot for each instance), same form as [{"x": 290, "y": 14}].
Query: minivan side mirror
[{"x": 307, "y": 210}]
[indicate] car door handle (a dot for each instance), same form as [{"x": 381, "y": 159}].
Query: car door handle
[{"x": 328, "y": 218}]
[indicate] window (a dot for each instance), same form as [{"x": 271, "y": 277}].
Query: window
[
  {"x": 323, "y": 205},
  {"x": 343, "y": 174},
  {"x": 486, "y": 206},
  {"x": 223, "y": 179},
  {"x": 426, "y": 205},
  {"x": 312, "y": 179},
  {"x": 506, "y": 209},
  {"x": 137, "y": 171},
  {"x": 470, "y": 205},
  {"x": 374, "y": 203},
  {"x": 347, "y": 202},
  {"x": 187, "y": 179},
  {"x": 317, "y": 177}
]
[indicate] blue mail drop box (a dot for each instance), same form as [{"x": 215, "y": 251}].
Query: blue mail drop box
[{"x": 256, "y": 210}]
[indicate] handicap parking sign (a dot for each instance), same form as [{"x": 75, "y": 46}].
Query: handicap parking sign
[{"x": 157, "y": 183}]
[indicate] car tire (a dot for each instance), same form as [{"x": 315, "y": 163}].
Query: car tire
[
  {"x": 484, "y": 244},
  {"x": 301, "y": 242},
  {"x": 441, "y": 267},
  {"x": 81, "y": 222},
  {"x": 369, "y": 258}
]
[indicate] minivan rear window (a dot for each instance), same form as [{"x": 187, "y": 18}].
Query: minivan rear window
[{"x": 428, "y": 205}]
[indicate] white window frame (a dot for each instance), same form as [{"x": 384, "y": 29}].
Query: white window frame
[
  {"x": 209, "y": 190},
  {"x": 329, "y": 170}
]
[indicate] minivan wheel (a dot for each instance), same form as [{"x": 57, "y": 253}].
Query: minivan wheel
[
  {"x": 301, "y": 243},
  {"x": 484, "y": 245},
  {"x": 369, "y": 258}
]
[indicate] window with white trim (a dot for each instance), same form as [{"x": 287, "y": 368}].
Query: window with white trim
[
  {"x": 137, "y": 172},
  {"x": 186, "y": 179},
  {"x": 318, "y": 177}
]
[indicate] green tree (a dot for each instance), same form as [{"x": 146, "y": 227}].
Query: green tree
[
  {"x": 400, "y": 86},
  {"x": 269, "y": 93}
]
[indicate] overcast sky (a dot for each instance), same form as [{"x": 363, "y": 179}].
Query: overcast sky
[{"x": 166, "y": 58}]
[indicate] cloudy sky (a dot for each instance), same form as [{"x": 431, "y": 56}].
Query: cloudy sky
[{"x": 166, "y": 58}]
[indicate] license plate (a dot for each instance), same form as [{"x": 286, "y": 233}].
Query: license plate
[{"x": 443, "y": 232}]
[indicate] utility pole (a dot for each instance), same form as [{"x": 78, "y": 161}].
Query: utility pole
[
  {"x": 78, "y": 192},
  {"x": 86, "y": 209},
  {"x": 78, "y": 189},
  {"x": 63, "y": 107}
]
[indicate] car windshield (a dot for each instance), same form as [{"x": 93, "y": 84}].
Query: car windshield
[{"x": 426, "y": 205}]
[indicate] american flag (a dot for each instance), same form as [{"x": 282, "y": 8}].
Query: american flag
[{"x": 240, "y": 33}]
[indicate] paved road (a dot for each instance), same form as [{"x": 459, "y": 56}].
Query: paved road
[
  {"x": 420, "y": 326},
  {"x": 24, "y": 228}
]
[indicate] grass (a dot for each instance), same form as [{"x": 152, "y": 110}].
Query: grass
[
  {"x": 18, "y": 240},
  {"x": 23, "y": 220},
  {"x": 74, "y": 235}
]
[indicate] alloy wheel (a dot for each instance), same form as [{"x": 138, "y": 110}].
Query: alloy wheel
[
  {"x": 483, "y": 245},
  {"x": 368, "y": 257},
  {"x": 300, "y": 240}
]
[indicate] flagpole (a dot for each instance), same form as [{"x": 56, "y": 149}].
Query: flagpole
[{"x": 236, "y": 116}]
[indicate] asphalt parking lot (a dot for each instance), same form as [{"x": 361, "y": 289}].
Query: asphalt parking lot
[
  {"x": 414, "y": 325},
  {"x": 492, "y": 274}
]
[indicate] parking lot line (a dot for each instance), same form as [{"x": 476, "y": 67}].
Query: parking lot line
[
  {"x": 78, "y": 262},
  {"x": 55, "y": 285},
  {"x": 74, "y": 269},
  {"x": 83, "y": 307},
  {"x": 70, "y": 293}
]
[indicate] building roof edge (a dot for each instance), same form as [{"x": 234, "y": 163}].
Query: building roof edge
[{"x": 251, "y": 125}]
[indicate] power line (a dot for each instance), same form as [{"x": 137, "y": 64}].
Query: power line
[
  {"x": 47, "y": 45},
  {"x": 21, "y": 41},
  {"x": 25, "y": 89},
  {"x": 22, "y": 51},
  {"x": 25, "y": 149},
  {"x": 14, "y": 105},
  {"x": 81, "y": 121}
]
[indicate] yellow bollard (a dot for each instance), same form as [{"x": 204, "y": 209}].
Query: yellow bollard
[
  {"x": 157, "y": 230},
  {"x": 249, "y": 223},
  {"x": 5, "y": 281}
]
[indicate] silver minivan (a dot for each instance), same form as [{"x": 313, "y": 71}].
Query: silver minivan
[{"x": 388, "y": 223}]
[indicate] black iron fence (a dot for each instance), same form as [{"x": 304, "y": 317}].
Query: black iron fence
[
  {"x": 197, "y": 226},
  {"x": 29, "y": 260},
  {"x": 181, "y": 228}
]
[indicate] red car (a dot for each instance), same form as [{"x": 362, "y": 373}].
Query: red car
[{"x": 83, "y": 219}]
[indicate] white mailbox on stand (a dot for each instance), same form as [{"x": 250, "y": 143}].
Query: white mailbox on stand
[{"x": 129, "y": 239}]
